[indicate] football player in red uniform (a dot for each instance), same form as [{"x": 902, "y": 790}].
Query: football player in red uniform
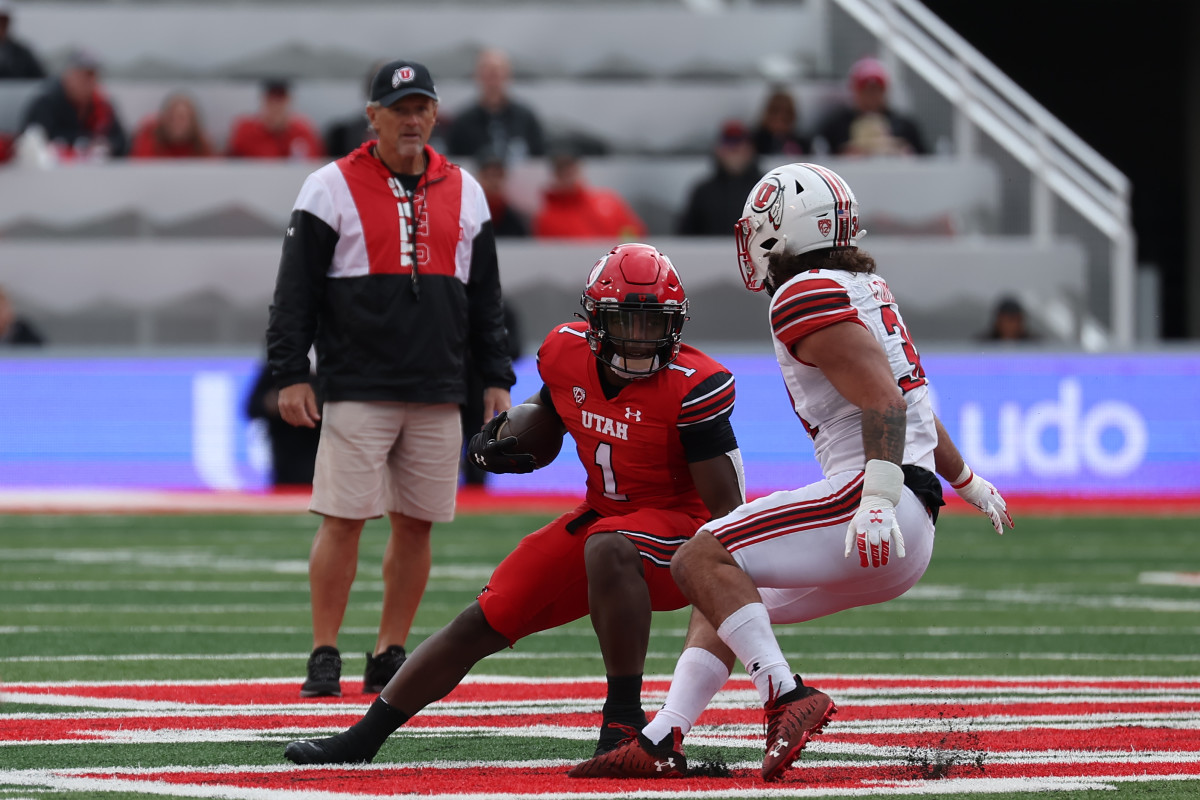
[
  {"x": 861, "y": 535},
  {"x": 650, "y": 419}
]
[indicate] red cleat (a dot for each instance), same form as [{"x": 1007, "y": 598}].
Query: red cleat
[{"x": 791, "y": 720}]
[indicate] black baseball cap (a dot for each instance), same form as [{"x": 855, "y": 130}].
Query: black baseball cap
[{"x": 397, "y": 79}]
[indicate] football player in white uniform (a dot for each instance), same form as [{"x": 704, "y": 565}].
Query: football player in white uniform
[{"x": 862, "y": 535}]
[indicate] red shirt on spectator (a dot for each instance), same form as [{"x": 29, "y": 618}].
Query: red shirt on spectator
[
  {"x": 583, "y": 212},
  {"x": 253, "y": 139},
  {"x": 176, "y": 131},
  {"x": 149, "y": 143}
]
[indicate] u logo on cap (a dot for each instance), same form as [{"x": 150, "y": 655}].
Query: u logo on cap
[{"x": 402, "y": 75}]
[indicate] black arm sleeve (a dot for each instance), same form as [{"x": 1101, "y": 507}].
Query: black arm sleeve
[
  {"x": 708, "y": 440},
  {"x": 488, "y": 338},
  {"x": 299, "y": 290},
  {"x": 710, "y": 401}
]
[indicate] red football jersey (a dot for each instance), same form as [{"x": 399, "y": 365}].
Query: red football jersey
[{"x": 630, "y": 445}]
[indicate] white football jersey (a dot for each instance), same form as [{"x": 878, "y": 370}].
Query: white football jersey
[{"x": 811, "y": 301}]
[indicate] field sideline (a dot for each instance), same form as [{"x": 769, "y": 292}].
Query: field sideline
[{"x": 152, "y": 655}]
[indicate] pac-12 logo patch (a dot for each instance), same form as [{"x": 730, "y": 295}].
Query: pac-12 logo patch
[
  {"x": 824, "y": 225},
  {"x": 403, "y": 75},
  {"x": 579, "y": 394}
]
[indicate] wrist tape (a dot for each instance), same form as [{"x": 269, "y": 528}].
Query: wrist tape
[
  {"x": 963, "y": 478},
  {"x": 883, "y": 479}
]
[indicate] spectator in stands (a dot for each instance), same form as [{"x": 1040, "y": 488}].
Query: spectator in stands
[
  {"x": 344, "y": 135},
  {"x": 776, "y": 131},
  {"x": 1009, "y": 323},
  {"x": 275, "y": 131},
  {"x": 496, "y": 120},
  {"x": 74, "y": 115},
  {"x": 715, "y": 204},
  {"x": 17, "y": 61},
  {"x": 492, "y": 173},
  {"x": 573, "y": 210},
  {"x": 293, "y": 448},
  {"x": 867, "y": 126},
  {"x": 176, "y": 131},
  {"x": 15, "y": 329}
]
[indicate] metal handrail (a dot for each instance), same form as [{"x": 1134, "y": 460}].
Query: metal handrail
[{"x": 1060, "y": 162}]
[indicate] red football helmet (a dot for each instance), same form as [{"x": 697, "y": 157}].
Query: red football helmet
[{"x": 635, "y": 308}]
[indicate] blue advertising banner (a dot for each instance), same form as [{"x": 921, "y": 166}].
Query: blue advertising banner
[{"x": 1113, "y": 425}]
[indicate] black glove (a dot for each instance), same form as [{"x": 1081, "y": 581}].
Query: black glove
[{"x": 492, "y": 455}]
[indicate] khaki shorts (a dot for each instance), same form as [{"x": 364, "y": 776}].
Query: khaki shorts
[{"x": 376, "y": 457}]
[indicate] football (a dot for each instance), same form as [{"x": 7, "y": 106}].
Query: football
[{"x": 539, "y": 431}]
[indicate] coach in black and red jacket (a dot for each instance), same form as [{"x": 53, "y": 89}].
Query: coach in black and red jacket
[{"x": 389, "y": 265}]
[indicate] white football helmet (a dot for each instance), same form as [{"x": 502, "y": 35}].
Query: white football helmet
[{"x": 794, "y": 209}]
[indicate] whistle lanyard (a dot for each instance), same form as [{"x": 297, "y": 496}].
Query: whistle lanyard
[
  {"x": 408, "y": 184},
  {"x": 410, "y": 220}
]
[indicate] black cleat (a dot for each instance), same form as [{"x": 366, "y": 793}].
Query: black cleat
[
  {"x": 324, "y": 673},
  {"x": 381, "y": 668},
  {"x": 340, "y": 749}
]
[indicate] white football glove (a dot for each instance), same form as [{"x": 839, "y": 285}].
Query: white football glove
[
  {"x": 873, "y": 530},
  {"x": 981, "y": 494}
]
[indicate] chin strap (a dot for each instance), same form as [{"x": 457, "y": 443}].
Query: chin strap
[{"x": 618, "y": 366}]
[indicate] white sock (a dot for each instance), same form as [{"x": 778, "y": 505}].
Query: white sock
[
  {"x": 699, "y": 675},
  {"x": 748, "y": 633}
]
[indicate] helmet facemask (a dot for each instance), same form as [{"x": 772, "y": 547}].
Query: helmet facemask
[
  {"x": 635, "y": 308},
  {"x": 635, "y": 339},
  {"x": 755, "y": 271}
]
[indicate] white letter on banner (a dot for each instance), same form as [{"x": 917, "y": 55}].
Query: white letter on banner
[
  {"x": 213, "y": 427},
  {"x": 1005, "y": 461},
  {"x": 1065, "y": 414},
  {"x": 1126, "y": 419}
]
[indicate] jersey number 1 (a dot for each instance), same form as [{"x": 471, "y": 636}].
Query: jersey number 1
[{"x": 603, "y": 460}]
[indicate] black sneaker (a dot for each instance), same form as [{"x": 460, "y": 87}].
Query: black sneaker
[
  {"x": 324, "y": 673},
  {"x": 381, "y": 668}
]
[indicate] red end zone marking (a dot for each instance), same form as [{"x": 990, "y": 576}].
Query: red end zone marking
[
  {"x": 987, "y": 745},
  {"x": 1111, "y": 738},
  {"x": 497, "y": 690},
  {"x": 553, "y": 780}
]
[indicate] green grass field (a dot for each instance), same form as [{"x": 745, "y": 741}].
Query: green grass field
[{"x": 199, "y": 598}]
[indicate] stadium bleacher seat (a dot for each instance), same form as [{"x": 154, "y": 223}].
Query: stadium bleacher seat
[
  {"x": 257, "y": 196},
  {"x": 341, "y": 39},
  {"x": 153, "y": 253},
  {"x": 124, "y": 291}
]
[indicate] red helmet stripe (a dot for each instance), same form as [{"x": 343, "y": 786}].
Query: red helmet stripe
[{"x": 842, "y": 210}]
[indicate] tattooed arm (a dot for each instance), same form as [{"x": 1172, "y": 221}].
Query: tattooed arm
[{"x": 854, "y": 362}]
